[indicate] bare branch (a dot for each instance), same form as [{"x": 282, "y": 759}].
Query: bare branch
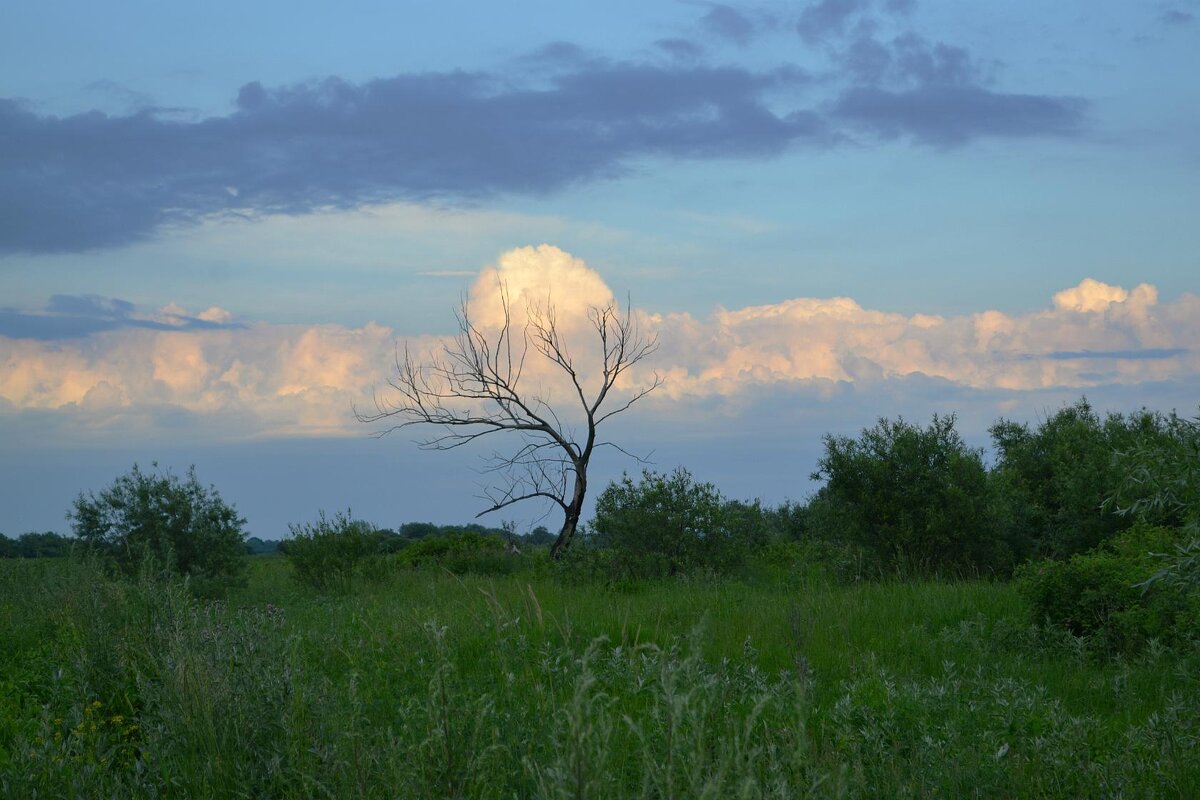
[
  {"x": 473, "y": 389},
  {"x": 640, "y": 459}
]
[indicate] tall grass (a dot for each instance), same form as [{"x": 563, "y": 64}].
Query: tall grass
[{"x": 425, "y": 684}]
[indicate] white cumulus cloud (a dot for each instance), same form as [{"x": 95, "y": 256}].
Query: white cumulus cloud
[{"x": 302, "y": 380}]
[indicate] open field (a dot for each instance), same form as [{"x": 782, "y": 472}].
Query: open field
[{"x": 425, "y": 684}]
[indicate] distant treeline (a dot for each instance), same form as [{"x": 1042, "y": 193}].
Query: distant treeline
[
  {"x": 413, "y": 531},
  {"x": 1097, "y": 517},
  {"x": 36, "y": 545},
  {"x": 54, "y": 545},
  {"x": 901, "y": 498},
  {"x": 392, "y": 540}
]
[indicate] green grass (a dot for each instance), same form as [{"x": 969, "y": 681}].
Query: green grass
[{"x": 426, "y": 684}]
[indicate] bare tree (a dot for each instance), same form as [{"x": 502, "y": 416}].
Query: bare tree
[{"x": 473, "y": 389}]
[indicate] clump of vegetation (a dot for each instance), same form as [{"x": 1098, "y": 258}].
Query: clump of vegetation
[
  {"x": 1140, "y": 584},
  {"x": 671, "y": 524},
  {"x": 1057, "y": 485},
  {"x": 528, "y": 686},
  {"x": 1162, "y": 484},
  {"x": 178, "y": 525},
  {"x": 328, "y": 554},
  {"x": 462, "y": 552},
  {"x": 261, "y": 547},
  {"x": 1102, "y": 593},
  {"x": 916, "y": 498},
  {"x": 36, "y": 545},
  {"x": 538, "y": 684}
]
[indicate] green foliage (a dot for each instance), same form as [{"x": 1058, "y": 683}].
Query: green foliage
[
  {"x": 801, "y": 562},
  {"x": 673, "y": 524},
  {"x": 134, "y": 675},
  {"x": 540, "y": 536},
  {"x": 1180, "y": 567},
  {"x": 261, "y": 547},
  {"x": 790, "y": 520},
  {"x": 914, "y": 497},
  {"x": 1099, "y": 594},
  {"x": 179, "y": 525},
  {"x": 419, "y": 530},
  {"x": 434, "y": 686},
  {"x": 327, "y": 554},
  {"x": 1162, "y": 482},
  {"x": 1160, "y": 471},
  {"x": 390, "y": 541},
  {"x": 465, "y": 552},
  {"x": 1054, "y": 483},
  {"x": 1144, "y": 583},
  {"x": 36, "y": 545}
]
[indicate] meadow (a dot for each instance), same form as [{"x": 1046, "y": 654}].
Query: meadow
[{"x": 424, "y": 683}]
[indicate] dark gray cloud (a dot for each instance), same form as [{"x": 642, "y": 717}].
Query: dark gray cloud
[
  {"x": 1173, "y": 16},
  {"x": 557, "y": 54},
  {"x": 909, "y": 60},
  {"x": 819, "y": 21},
  {"x": 90, "y": 305},
  {"x": 950, "y": 116},
  {"x": 92, "y": 179},
  {"x": 74, "y": 316},
  {"x": 828, "y": 20},
  {"x": 931, "y": 92},
  {"x": 1143, "y": 354},
  {"x": 554, "y": 118},
  {"x": 728, "y": 23},
  {"x": 684, "y": 49}
]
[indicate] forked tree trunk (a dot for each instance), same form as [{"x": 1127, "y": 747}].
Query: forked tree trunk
[
  {"x": 574, "y": 511},
  {"x": 485, "y": 368}
]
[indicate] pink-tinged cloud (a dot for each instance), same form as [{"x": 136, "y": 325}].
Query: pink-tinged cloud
[{"x": 297, "y": 380}]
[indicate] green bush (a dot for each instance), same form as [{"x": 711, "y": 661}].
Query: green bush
[
  {"x": 329, "y": 553},
  {"x": 179, "y": 525},
  {"x": 672, "y": 524},
  {"x": 1102, "y": 594},
  {"x": 1162, "y": 483},
  {"x": 916, "y": 498},
  {"x": 1061, "y": 487},
  {"x": 465, "y": 552}
]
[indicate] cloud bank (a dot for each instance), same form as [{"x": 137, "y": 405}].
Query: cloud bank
[
  {"x": 556, "y": 118},
  {"x": 253, "y": 379},
  {"x": 94, "y": 180},
  {"x": 73, "y": 316}
]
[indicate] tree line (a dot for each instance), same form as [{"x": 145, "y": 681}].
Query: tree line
[
  {"x": 902, "y": 496},
  {"x": 35, "y": 544},
  {"x": 1096, "y": 516}
]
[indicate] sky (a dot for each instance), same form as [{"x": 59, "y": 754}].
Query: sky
[{"x": 219, "y": 224}]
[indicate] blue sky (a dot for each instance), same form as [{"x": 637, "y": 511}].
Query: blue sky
[{"x": 216, "y": 223}]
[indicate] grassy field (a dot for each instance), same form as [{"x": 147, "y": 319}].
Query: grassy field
[{"x": 425, "y": 684}]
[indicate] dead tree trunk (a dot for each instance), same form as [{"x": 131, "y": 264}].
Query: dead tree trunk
[{"x": 473, "y": 390}]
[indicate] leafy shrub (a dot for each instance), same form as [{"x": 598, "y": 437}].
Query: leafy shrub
[
  {"x": 672, "y": 524},
  {"x": 468, "y": 551},
  {"x": 1056, "y": 484},
  {"x": 1162, "y": 483},
  {"x": 328, "y": 553},
  {"x": 1100, "y": 594},
  {"x": 180, "y": 525},
  {"x": 913, "y": 497}
]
